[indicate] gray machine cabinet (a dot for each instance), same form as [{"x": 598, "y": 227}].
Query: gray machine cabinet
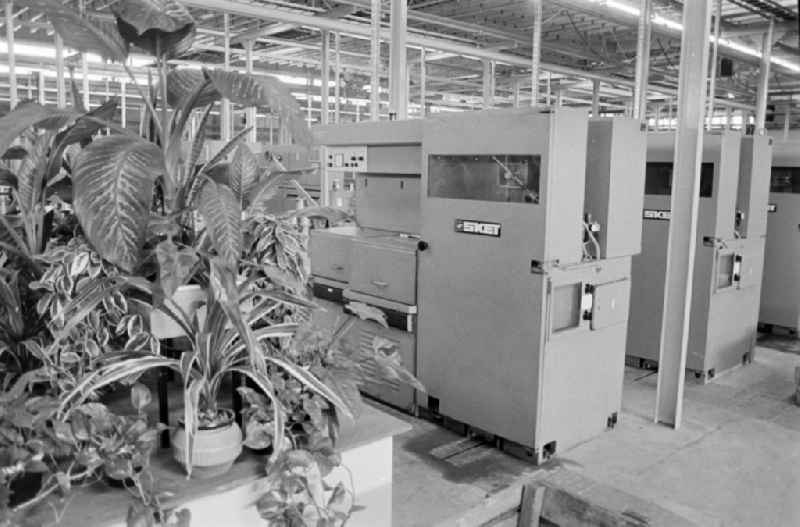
[
  {"x": 330, "y": 251},
  {"x": 780, "y": 295},
  {"x": 389, "y": 201},
  {"x": 494, "y": 351},
  {"x": 385, "y": 266},
  {"x": 727, "y": 267},
  {"x": 615, "y": 167},
  {"x": 753, "y": 196}
]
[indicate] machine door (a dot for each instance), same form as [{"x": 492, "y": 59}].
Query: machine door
[
  {"x": 480, "y": 323},
  {"x": 780, "y": 294}
]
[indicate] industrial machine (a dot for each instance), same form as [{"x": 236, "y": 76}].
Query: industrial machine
[
  {"x": 522, "y": 326},
  {"x": 728, "y": 259},
  {"x": 780, "y": 296},
  {"x": 513, "y": 232},
  {"x": 374, "y": 261}
]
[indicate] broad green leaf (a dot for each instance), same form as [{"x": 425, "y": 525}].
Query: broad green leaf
[
  {"x": 166, "y": 45},
  {"x": 143, "y": 15},
  {"x": 82, "y": 33},
  {"x": 26, "y": 115},
  {"x": 263, "y": 91},
  {"x": 30, "y": 176},
  {"x": 181, "y": 83},
  {"x": 243, "y": 172},
  {"x": 83, "y": 128},
  {"x": 222, "y": 215},
  {"x": 113, "y": 180}
]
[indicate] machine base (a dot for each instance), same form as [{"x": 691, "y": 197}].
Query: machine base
[
  {"x": 534, "y": 456},
  {"x": 701, "y": 376},
  {"x": 779, "y": 331}
]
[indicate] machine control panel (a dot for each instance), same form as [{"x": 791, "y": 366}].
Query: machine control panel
[{"x": 350, "y": 158}]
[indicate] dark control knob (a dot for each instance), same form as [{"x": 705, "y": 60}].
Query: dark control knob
[{"x": 422, "y": 245}]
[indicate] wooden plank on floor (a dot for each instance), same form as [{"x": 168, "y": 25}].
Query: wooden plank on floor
[
  {"x": 494, "y": 510},
  {"x": 530, "y": 510}
]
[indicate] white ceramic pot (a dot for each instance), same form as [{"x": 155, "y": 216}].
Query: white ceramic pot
[{"x": 214, "y": 452}]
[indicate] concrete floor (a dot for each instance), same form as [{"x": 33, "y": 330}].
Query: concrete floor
[{"x": 735, "y": 461}]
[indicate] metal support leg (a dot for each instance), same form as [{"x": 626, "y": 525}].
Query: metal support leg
[
  {"x": 252, "y": 117},
  {"x": 763, "y": 79},
  {"x": 692, "y": 91},
  {"x": 712, "y": 86},
  {"x": 375, "y": 59},
  {"x": 536, "y": 58},
  {"x": 325, "y": 77},
  {"x": 423, "y": 81},
  {"x": 488, "y": 84},
  {"x": 398, "y": 82}
]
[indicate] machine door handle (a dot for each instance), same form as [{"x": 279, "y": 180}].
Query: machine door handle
[
  {"x": 337, "y": 267},
  {"x": 422, "y": 245},
  {"x": 380, "y": 283}
]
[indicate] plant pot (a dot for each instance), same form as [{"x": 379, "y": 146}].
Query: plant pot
[
  {"x": 214, "y": 450},
  {"x": 189, "y": 298},
  {"x": 25, "y": 487}
]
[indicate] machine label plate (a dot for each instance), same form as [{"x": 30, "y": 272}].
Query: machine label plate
[
  {"x": 482, "y": 228},
  {"x": 656, "y": 214},
  {"x": 772, "y": 207}
]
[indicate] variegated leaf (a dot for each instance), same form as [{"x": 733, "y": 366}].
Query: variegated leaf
[
  {"x": 222, "y": 215},
  {"x": 243, "y": 172},
  {"x": 81, "y": 33},
  {"x": 113, "y": 180}
]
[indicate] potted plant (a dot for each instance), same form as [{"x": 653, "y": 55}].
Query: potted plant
[{"x": 226, "y": 341}]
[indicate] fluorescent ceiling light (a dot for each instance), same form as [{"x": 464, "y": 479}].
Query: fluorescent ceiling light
[{"x": 677, "y": 26}]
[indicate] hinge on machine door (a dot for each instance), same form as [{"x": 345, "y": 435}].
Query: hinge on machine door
[{"x": 587, "y": 301}]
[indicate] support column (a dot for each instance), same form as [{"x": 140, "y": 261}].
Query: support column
[
  {"x": 251, "y": 112},
  {"x": 642, "y": 61},
  {"x": 595, "y": 98},
  {"x": 515, "y": 92},
  {"x": 488, "y": 84},
  {"x": 728, "y": 117},
  {"x": 325, "y": 78},
  {"x": 763, "y": 79},
  {"x": 123, "y": 104},
  {"x": 549, "y": 87},
  {"x": 86, "y": 88},
  {"x": 423, "y": 81},
  {"x": 337, "y": 75},
  {"x": 787, "y": 119},
  {"x": 684, "y": 202},
  {"x": 375, "y": 57},
  {"x": 61, "y": 86},
  {"x": 398, "y": 82},
  {"x": 536, "y": 58},
  {"x": 712, "y": 87},
  {"x": 12, "y": 66},
  {"x": 40, "y": 85},
  {"x": 225, "y": 110},
  {"x": 657, "y": 126}
]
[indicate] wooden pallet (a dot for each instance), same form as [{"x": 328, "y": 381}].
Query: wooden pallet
[{"x": 568, "y": 500}]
